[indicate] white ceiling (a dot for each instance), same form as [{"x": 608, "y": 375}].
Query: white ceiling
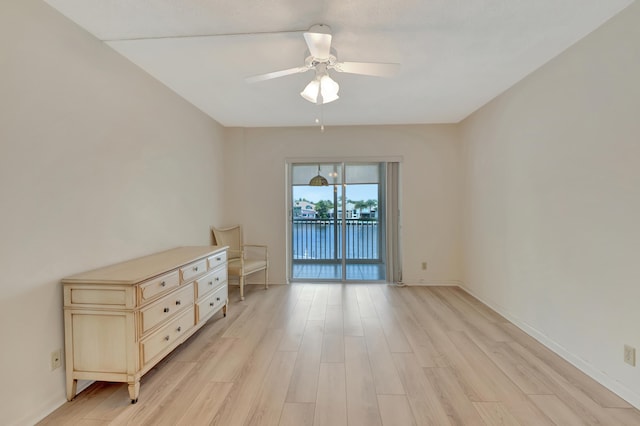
[{"x": 456, "y": 55}]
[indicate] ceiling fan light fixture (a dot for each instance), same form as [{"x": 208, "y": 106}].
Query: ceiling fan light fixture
[
  {"x": 321, "y": 90},
  {"x": 329, "y": 89},
  {"x": 310, "y": 92}
]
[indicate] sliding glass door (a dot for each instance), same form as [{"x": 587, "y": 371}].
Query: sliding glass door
[{"x": 337, "y": 222}]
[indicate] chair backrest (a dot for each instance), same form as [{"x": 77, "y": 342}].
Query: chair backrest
[{"x": 231, "y": 237}]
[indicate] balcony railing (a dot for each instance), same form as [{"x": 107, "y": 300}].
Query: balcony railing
[{"x": 319, "y": 240}]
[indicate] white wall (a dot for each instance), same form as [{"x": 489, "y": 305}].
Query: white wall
[
  {"x": 552, "y": 202},
  {"x": 430, "y": 170},
  {"x": 98, "y": 163}
]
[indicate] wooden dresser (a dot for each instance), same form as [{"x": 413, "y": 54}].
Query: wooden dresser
[{"x": 122, "y": 319}]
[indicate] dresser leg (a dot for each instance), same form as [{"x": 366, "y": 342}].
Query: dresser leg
[
  {"x": 72, "y": 387},
  {"x": 224, "y": 308},
  {"x": 241, "y": 287},
  {"x": 134, "y": 390}
]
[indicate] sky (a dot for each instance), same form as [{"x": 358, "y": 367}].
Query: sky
[{"x": 355, "y": 192}]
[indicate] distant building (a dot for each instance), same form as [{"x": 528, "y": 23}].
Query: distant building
[
  {"x": 368, "y": 213},
  {"x": 353, "y": 213},
  {"x": 304, "y": 209}
]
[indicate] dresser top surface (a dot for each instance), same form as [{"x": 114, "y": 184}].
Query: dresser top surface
[{"x": 142, "y": 268}]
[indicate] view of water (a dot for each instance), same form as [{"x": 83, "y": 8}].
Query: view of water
[{"x": 317, "y": 239}]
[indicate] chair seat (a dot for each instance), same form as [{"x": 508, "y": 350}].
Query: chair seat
[{"x": 250, "y": 266}]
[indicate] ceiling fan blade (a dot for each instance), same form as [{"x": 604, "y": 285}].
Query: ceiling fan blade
[
  {"x": 276, "y": 74},
  {"x": 319, "y": 44},
  {"x": 377, "y": 69}
]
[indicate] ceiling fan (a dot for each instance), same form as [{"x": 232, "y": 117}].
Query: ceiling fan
[{"x": 321, "y": 58}]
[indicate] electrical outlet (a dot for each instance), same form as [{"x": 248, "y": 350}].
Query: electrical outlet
[
  {"x": 630, "y": 355},
  {"x": 56, "y": 359},
  {"x": 424, "y": 266}
]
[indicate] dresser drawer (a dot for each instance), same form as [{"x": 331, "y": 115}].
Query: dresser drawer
[
  {"x": 193, "y": 270},
  {"x": 156, "y": 286},
  {"x": 166, "y": 336},
  {"x": 212, "y": 303},
  {"x": 166, "y": 307},
  {"x": 89, "y": 296},
  {"x": 217, "y": 260},
  {"x": 211, "y": 281}
]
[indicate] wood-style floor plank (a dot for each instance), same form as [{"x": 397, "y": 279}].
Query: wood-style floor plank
[
  {"x": 423, "y": 398},
  {"x": 303, "y": 386},
  {"x": 206, "y": 404},
  {"x": 352, "y": 322},
  {"x": 452, "y": 397},
  {"x": 297, "y": 414},
  {"x": 318, "y": 308},
  {"x": 294, "y": 328},
  {"x": 331, "y": 402},
  {"x": 267, "y": 407},
  {"x": 395, "y": 411},
  {"x": 556, "y": 410},
  {"x": 242, "y": 396},
  {"x": 362, "y": 404},
  {"x": 515, "y": 401},
  {"x": 393, "y": 331},
  {"x": 386, "y": 378},
  {"x": 473, "y": 384},
  {"x": 333, "y": 339},
  {"x": 162, "y": 386},
  {"x": 365, "y": 305},
  {"x": 355, "y": 354},
  {"x": 495, "y": 414}
]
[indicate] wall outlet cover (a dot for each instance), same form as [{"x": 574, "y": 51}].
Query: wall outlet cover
[
  {"x": 56, "y": 359},
  {"x": 630, "y": 355}
]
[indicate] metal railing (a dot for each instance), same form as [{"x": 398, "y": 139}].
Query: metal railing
[{"x": 320, "y": 240}]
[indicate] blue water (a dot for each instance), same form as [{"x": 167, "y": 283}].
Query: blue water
[{"x": 317, "y": 240}]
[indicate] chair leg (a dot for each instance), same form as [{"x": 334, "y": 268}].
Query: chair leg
[
  {"x": 266, "y": 278},
  {"x": 241, "y": 287}
]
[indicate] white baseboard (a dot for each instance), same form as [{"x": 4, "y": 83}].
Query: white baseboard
[
  {"x": 610, "y": 383},
  {"x": 432, "y": 283}
]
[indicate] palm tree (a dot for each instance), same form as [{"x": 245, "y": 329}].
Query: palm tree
[
  {"x": 370, "y": 204},
  {"x": 359, "y": 205}
]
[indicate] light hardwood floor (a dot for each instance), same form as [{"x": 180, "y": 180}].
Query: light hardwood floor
[{"x": 355, "y": 354}]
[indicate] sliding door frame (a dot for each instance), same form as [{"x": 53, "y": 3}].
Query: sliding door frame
[{"x": 392, "y": 254}]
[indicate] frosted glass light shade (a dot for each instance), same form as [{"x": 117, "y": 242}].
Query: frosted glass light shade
[
  {"x": 329, "y": 89},
  {"x": 310, "y": 92},
  {"x": 325, "y": 86}
]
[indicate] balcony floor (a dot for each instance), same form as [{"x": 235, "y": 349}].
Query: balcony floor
[{"x": 355, "y": 272}]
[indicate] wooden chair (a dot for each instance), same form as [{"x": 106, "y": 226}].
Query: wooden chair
[{"x": 243, "y": 259}]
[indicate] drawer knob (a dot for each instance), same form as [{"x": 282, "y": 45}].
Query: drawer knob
[
  {"x": 218, "y": 299},
  {"x": 178, "y": 303},
  {"x": 210, "y": 282},
  {"x": 166, "y": 338},
  {"x": 218, "y": 259},
  {"x": 165, "y": 310},
  {"x": 195, "y": 268},
  {"x": 217, "y": 278},
  {"x": 211, "y": 304},
  {"x": 162, "y": 284},
  {"x": 179, "y": 329}
]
